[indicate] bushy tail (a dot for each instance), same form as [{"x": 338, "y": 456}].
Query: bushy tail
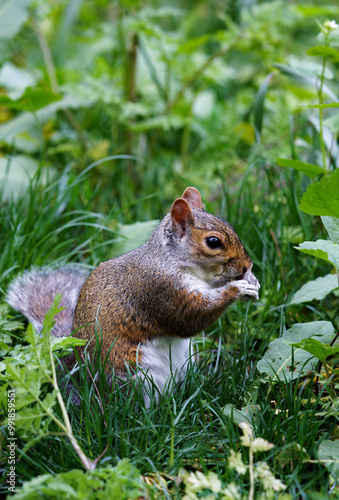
[{"x": 33, "y": 293}]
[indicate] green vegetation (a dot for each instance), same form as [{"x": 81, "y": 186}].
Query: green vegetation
[{"x": 108, "y": 110}]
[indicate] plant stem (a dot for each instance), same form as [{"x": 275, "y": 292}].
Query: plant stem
[
  {"x": 251, "y": 471},
  {"x": 50, "y": 68},
  {"x": 330, "y": 387},
  {"x": 320, "y": 94},
  {"x": 86, "y": 462}
]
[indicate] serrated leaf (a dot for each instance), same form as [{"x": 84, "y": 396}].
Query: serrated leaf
[
  {"x": 322, "y": 198},
  {"x": 324, "y": 51},
  {"x": 307, "y": 168},
  {"x": 316, "y": 348},
  {"x": 121, "y": 482},
  {"x": 282, "y": 362},
  {"x": 329, "y": 452},
  {"x": 316, "y": 289},
  {"x": 29, "y": 418},
  {"x": 4, "y": 346},
  {"x": 66, "y": 342},
  {"x": 323, "y": 249},
  {"x": 332, "y": 226}
]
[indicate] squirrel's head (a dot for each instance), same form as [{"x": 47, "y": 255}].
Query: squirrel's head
[{"x": 212, "y": 249}]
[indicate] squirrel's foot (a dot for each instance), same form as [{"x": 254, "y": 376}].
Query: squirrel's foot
[{"x": 247, "y": 287}]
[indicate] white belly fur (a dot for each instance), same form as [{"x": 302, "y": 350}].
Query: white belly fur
[{"x": 164, "y": 361}]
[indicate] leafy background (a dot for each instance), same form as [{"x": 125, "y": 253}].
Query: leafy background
[{"x": 108, "y": 110}]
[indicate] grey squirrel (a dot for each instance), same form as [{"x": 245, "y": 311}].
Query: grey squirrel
[{"x": 150, "y": 301}]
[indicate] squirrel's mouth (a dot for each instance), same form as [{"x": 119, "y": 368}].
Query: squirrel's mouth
[{"x": 222, "y": 280}]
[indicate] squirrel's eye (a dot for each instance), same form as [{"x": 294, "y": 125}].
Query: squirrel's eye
[{"x": 213, "y": 242}]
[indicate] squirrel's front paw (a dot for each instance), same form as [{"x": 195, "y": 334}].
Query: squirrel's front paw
[{"x": 247, "y": 288}]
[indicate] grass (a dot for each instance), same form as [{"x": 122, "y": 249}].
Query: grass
[{"x": 188, "y": 429}]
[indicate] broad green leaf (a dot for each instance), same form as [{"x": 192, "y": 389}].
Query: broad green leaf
[
  {"x": 31, "y": 100},
  {"x": 316, "y": 348},
  {"x": 324, "y": 51},
  {"x": 13, "y": 13},
  {"x": 329, "y": 452},
  {"x": 14, "y": 78},
  {"x": 292, "y": 452},
  {"x": 282, "y": 362},
  {"x": 26, "y": 121},
  {"x": 307, "y": 168},
  {"x": 323, "y": 249},
  {"x": 309, "y": 10},
  {"x": 246, "y": 414},
  {"x": 131, "y": 236},
  {"x": 332, "y": 226},
  {"x": 316, "y": 289},
  {"x": 322, "y": 198}
]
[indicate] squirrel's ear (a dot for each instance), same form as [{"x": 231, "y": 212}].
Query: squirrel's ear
[
  {"x": 182, "y": 217},
  {"x": 193, "y": 197}
]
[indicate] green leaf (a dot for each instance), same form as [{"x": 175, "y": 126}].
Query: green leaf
[
  {"x": 31, "y": 100},
  {"x": 13, "y": 13},
  {"x": 26, "y": 121},
  {"x": 323, "y": 249},
  {"x": 324, "y": 51},
  {"x": 332, "y": 226},
  {"x": 282, "y": 362},
  {"x": 307, "y": 168},
  {"x": 59, "y": 343},
  {"x": 316, "y": 348},
  {"x": 316, "y": 289},
  {"x": 322, "y": 198},
  {"x": 246, "y": 414},
  {"x": 292, "y": 452},
  {"x": 309, "y": 10},
  {"x": 122, "y": 482},
  {"x": 131, "y": 236},
  {"x": 329, "y": 452}
]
